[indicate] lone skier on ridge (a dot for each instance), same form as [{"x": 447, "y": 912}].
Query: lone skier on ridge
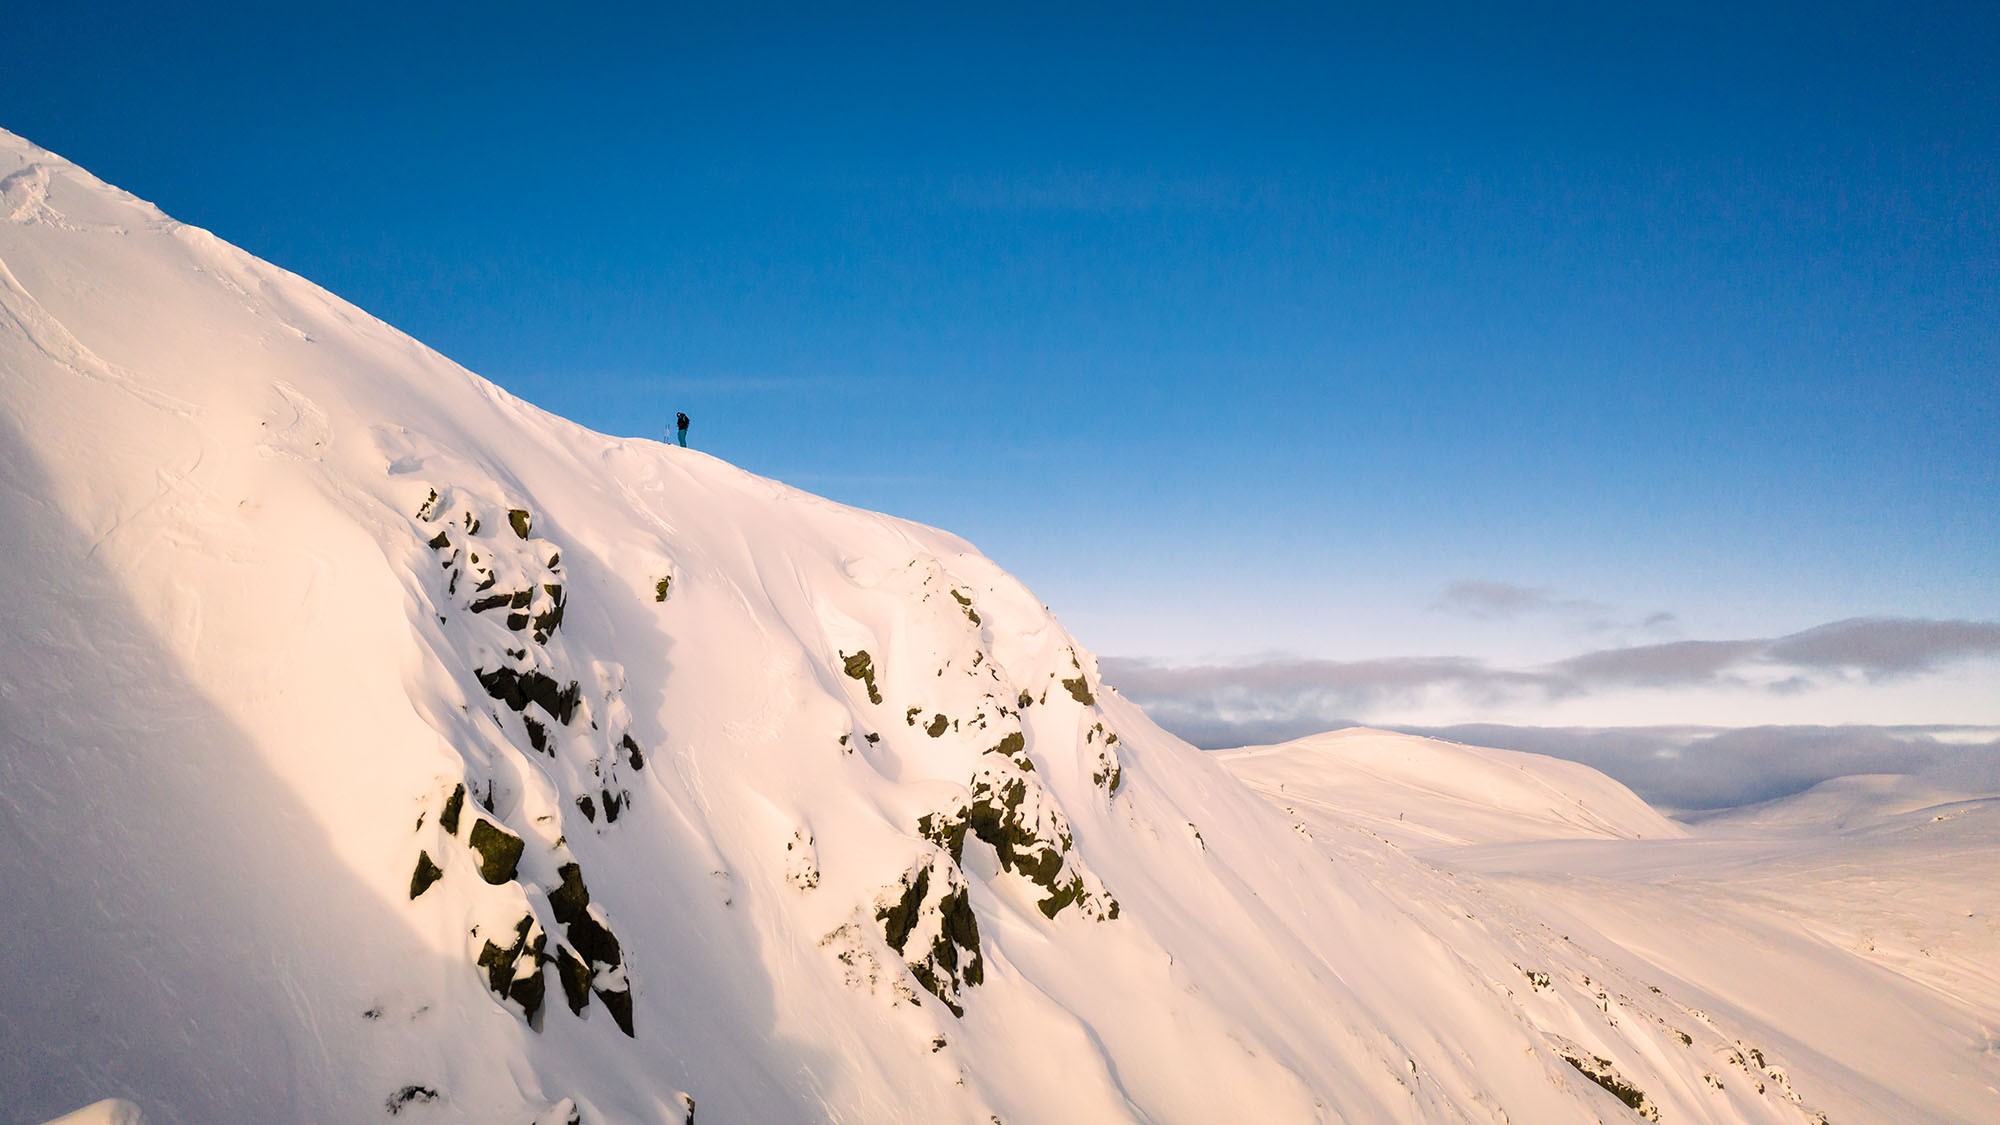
[{"x": 681, "y": 429}]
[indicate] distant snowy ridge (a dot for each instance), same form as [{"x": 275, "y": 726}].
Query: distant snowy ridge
[
  {"x": 1459, "y": 794},
  {"x": 374, "y": 745}
]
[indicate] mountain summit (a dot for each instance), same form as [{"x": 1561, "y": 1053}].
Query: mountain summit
[{"x": 374, "y": 744}]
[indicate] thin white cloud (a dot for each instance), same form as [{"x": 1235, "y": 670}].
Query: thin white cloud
[{"x": 1485, "y": 600}]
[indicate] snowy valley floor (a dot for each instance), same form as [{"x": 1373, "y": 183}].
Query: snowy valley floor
[{"x": 1854, "y": 928}]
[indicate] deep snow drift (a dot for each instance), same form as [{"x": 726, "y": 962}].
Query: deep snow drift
[{"x": 373, "y": 744}]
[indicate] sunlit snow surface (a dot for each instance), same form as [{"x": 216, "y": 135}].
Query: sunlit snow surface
[{"x": 296, "y": 606}]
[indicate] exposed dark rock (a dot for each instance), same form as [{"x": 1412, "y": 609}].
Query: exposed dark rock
[
  {"x": 632, "y": 754},
  {"x": 448, "y": 819},
  {"x": 619, "y": 1003},
  {"x": 504, "y": 965},
  {"x": 593, "y": 941},
  {"x": 660, "y": 588},
  {"x": 549, "y": 620},
  {"x": 1604, "y": 1074},
  {"x": 499, "y": 851},
  {"x": 518, "y": 689},
  {"x": 937, "y": 726},
  {"x": 1080, "y": 690},
  {"x": 427, "y": 873},
  {"x": 410, "y": 1095},
  {"x": 952, "y": 961},
  {"x": 538, "y": 735},
  {"x": 861, "y": 667},
  {"x": 571, "y": 899},
  {"x": 575, "y": 977},
  {"x": 588, "y": 806},
  {"x": 945, "y": 830},
  {"x": 520, "y": 521},
  {"x": 900, "y": 917}
]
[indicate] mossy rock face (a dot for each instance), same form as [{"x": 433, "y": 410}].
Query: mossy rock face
[
  {"x": 965, "y": 603},
  {"x": 661, "y": 587},
  {"x": 519, "y": 519},
  {"x": 938, "y": 725},
  {"x": 946, "y": 831},
  {"x": 499, "y": 851},
  {"x": 995, "y": 817},
  {"x": 1011, "y": 812},
  {"x": 947, "y": 960},
  {"x": 1079, "y": 690},
  {"x": 861, "y": 667},
  {"x": 427, "y": 872},
  {"x": 961, "y": 931},
  {"x": 900, "y": 917}
]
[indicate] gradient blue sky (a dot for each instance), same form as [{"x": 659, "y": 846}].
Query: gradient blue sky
[{"x": 1504, "y": 333}]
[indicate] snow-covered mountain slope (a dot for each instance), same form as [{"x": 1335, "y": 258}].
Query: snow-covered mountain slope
[
  {"x": 373, "y": 744},
  {"x": 1422, "y": 792}
]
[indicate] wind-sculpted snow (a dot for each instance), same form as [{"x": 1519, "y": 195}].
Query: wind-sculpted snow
[{"x": 550, "y": 776}]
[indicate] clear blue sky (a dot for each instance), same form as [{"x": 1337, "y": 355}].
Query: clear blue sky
[{"x": 1232, "y": 332}]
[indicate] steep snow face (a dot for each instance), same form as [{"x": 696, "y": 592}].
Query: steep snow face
[{"x": 375, "y": 744}]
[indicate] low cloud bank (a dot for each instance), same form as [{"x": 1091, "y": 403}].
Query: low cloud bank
[
  {"x": 1218, "y": 706},
  {"x": 1699, "y": 768},
  {"x": 1875, "y": 649}
]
